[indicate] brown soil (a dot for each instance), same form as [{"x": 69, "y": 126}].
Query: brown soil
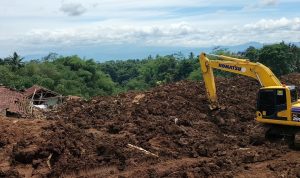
[{"x": 173, "y": 122}]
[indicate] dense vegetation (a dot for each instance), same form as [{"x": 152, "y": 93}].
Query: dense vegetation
[{"x": 72, "y": 75}]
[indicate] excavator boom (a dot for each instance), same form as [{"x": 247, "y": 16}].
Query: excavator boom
[{"x": 234, "y": 65}]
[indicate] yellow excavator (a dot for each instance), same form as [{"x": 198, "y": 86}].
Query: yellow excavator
[{"x": 277, "y": 104}]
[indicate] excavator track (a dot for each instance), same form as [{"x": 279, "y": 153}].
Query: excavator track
[{"x": 290, "y": 134}]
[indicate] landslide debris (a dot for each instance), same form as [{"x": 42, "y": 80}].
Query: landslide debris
[{"x": 173, "y": 121}]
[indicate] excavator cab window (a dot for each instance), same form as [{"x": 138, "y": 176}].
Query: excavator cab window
[
  {"x": 271, "y": 101},
  {"x": 280, "y": 97}
]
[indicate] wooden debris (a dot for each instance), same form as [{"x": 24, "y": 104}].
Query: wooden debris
[
  {"x": 142, "y": 150},
  {"x": 48, "y": 161}
]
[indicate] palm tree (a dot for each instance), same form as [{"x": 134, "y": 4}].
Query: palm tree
[{"x": 15, "y": 61}]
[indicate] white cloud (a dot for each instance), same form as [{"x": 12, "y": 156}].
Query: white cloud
[
  {"x": 276, "y": 25},
  {"x": 183, "y": 34},
  {"x": 73, "y": 9},
  {"x": 111, "y": 34}
]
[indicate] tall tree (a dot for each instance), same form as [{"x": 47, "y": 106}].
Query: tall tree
[
  {"x": 15, "y": 61},
  {"x": 191, "y": 56}
]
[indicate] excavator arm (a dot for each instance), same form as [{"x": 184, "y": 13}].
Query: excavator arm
[{"x": 238, "y": 66}]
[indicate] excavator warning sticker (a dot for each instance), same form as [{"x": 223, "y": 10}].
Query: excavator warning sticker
[
  {"x": 237, "y": 68},
  {"x": 280, "y": 92}
]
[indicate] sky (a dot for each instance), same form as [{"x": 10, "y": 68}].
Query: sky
[{"x": 108, "y": 29}]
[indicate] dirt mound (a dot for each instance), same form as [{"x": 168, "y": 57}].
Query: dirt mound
[
  {"x": 292, "y": 79},
  {"x": 168, "y": 131}
]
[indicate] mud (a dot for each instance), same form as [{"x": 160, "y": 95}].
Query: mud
[{"x": 173, "y": 123}]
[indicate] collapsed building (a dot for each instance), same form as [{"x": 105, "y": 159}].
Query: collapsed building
[
  {"x": 20, "y": 104},
  {"x": 42, "y": 98}
]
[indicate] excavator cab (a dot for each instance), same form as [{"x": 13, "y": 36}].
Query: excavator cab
[
  {"x": 271, "y": 102},
  {"x": 278, "y": 105}
]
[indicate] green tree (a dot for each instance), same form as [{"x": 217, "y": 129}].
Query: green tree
[
  {"x": 136, "y": 84},
  {"x": 191, "y": 56},
  {"x": 185, "y": 67},
  {"x": 251, "y": 53},
  {"x": 195, "y": 75},
  {"x": 280, "y": 58},
  {"x": 6, "y": 76},
  {"x": 15, "y": 61}
]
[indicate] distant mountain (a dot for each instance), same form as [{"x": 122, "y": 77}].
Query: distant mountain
[
  {"x": 243, "y": 47},
  {"x": 122, "y": 52}
]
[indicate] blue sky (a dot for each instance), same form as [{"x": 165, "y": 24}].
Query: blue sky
[{"x": 134, "y": 28}]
